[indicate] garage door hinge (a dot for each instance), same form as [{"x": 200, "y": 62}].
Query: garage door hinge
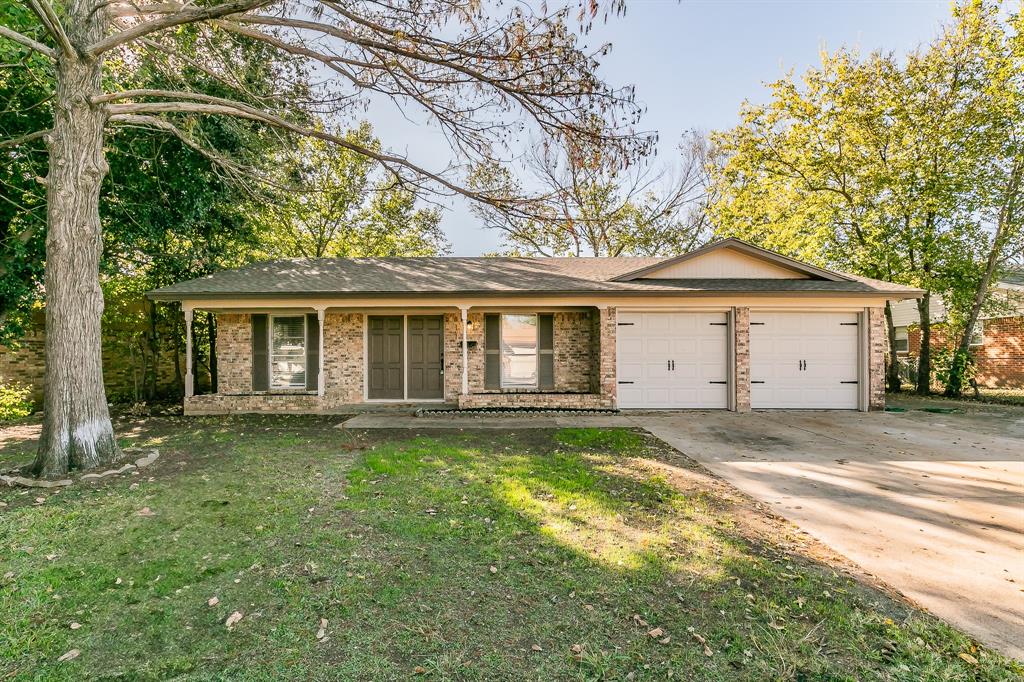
[
  {"x": 625, "y": 382},
  {"x": 757, "y": 324},
  {"x": 719, "y": 324},
  {"x": 849, "y": 382},
  {"x": 626, "y": 324},
  {"x": 848, "y": 324},
  {"x": 757, "y": 382},
  {"x": 718, "y": 382}
]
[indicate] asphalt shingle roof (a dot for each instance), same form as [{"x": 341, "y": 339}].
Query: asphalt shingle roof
[{"x": 340, "y": 277}]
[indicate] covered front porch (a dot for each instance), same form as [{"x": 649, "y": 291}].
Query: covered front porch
[{"x": 326, "y": 358}]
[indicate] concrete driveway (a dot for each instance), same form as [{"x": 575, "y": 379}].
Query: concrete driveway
[{"x": 932, "y": 504}]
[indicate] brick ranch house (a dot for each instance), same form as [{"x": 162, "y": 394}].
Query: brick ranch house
[
  {"x": 997, "y": 343},
  {"x": 729, "y": 326}
]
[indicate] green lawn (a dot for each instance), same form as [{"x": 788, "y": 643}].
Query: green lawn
[{"x": 544, "y": 555}]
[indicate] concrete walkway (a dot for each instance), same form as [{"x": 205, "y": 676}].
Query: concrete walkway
[{"x": 933, "y": 504}]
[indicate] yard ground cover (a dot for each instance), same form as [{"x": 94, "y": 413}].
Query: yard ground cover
[{"x": 572, "y": 554}]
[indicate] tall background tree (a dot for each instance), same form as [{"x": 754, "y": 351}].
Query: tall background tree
[
  {"x": 593, "y": 209},
  {"x": 335, "y": 202},
  {"x": 476, "y": 74},
  {"x": 887, "y": 168}
]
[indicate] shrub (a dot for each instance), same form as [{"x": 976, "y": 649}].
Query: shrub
[{"x": 15, "y": 401}]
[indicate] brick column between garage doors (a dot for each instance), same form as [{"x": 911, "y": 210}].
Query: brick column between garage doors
[
  {"x": 877, "y": 347},
  {"x": 741, "y": 354}
]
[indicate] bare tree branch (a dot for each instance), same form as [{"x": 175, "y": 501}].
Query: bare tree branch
[
  {"x": 27, "y": 42},
  {"x": 206, "y": 104},
  {"x": 15, "y": 141},
  {"x": 52, "y": 23},
  {"x": 189, "y": 15}
]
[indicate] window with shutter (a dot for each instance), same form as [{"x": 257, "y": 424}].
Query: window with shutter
[{"x": 288, "y": 351}]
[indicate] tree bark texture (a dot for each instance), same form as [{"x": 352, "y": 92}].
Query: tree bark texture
[
  {"x": 924, "y": 358},
  {"x": 76, "y": 433},
  {"x": 892, "y": 369}
]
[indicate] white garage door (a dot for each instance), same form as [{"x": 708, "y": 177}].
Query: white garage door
[
  {"x": 804, "y": 360},
  {"x": 670, "y": 360}
]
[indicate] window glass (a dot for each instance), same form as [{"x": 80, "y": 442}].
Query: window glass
[
  {"x": 902, "y": 340},
  {"x": 518, "y": 350},
  {"x": 978, "y": 334},
  {"x": 288, "y": 352}
]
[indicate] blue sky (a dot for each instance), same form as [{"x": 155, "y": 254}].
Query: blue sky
[{"x": 694, "y": 62}]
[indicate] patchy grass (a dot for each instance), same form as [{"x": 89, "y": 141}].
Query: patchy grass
[{"x": 471, "y": 556}]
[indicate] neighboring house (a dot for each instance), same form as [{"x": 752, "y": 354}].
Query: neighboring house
[
  {"x": 997, "y": 343},
  {"x": 728, "y": 326}
]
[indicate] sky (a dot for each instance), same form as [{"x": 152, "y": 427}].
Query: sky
[{"x": 694, "y": 62}]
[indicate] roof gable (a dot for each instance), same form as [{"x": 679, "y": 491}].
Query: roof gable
[{"x": 732, "y": 259}]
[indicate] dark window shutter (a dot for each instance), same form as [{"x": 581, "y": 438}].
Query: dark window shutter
[
  {"x": 546, "y": 351},
  {"x": 312, "y": 351},
  {"x": 260, "y": 354},
  {"x": 492, "y": 351}
]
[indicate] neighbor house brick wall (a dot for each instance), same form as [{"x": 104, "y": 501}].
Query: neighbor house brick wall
[
  {"x": 234, "y": 353},
  {"x": 877, "y": 347},
  {"x": 999, "y": 360},
  {"x": 25, "y": 363}
]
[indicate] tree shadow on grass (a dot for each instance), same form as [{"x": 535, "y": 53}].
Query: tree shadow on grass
[{"x": 456, "y": 554}]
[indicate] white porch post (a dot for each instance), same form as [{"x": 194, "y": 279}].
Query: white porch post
[
  {"x": 465, "y": 349},
  {"x": 189, "y": 389},
  {"x": 320, "y": 314}
]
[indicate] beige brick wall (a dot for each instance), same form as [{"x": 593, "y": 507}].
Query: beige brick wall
[
  {"x": 741, "y": 341},
  {"x": 343, "y": 358},
  {"x": 234, "y": 354},
  {"x": 877, "y": 347}
]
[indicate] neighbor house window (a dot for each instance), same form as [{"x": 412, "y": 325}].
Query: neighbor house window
[
  {"x": 902, "y": 340},
  {"x": 518, "y": 350},
  {"x": 978, "y": 334},
  {"x": 288, "y": 351}
]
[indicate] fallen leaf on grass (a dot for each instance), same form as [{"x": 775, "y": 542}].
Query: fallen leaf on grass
[
  {"x": 703, "y": 642},
  {"x": 322, "y": 632},
  {"x": 75, "y": 626},
  {"x": 494, "y": 569},
  {"x": 212, "y": 601},
  {"x": 233, "y": 619},
  {"x": 69, "y": 656},
  {"x": 537, "y": 647},
  {"x": 666, "y": 640},
  {"x": 419, "y": 670},
  {"x": 146, "y": 511},
  {"x": 656, "y": 632},
  {"x": 640, "y": 621},
  {"x": 970, "y": 659}
]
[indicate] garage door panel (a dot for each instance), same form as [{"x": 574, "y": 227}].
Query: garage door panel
[
  {"x": 801, "y": 359},
  {"x": 671, "y": 357}
]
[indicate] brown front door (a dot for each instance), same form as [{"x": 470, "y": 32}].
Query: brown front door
[
  {"x": 426, "y": 356},
  {"x": 384, "y": 335}
]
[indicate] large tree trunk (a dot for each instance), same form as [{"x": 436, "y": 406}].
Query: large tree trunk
[
  {"x": 76, "y": 424},
  {"x": 924, "y": 358},
  {"x": 892, "y": 369}
]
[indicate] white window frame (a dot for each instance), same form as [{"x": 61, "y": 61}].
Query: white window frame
[
  {"x": 905, "y": 339},
  {"x": 536, "y": 351},
  {"x": 978, "y": 334},
  {"x": 270, "y": 353}
]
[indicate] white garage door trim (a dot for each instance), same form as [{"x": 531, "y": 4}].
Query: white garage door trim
[
  {"x": 673, "y": 359},
  {"x": 809, "y": 359}
]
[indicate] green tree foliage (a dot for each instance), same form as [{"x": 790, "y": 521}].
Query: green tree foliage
[
  {"x": 887, "y": 168},
  {"x": 336, "y": 203}
]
